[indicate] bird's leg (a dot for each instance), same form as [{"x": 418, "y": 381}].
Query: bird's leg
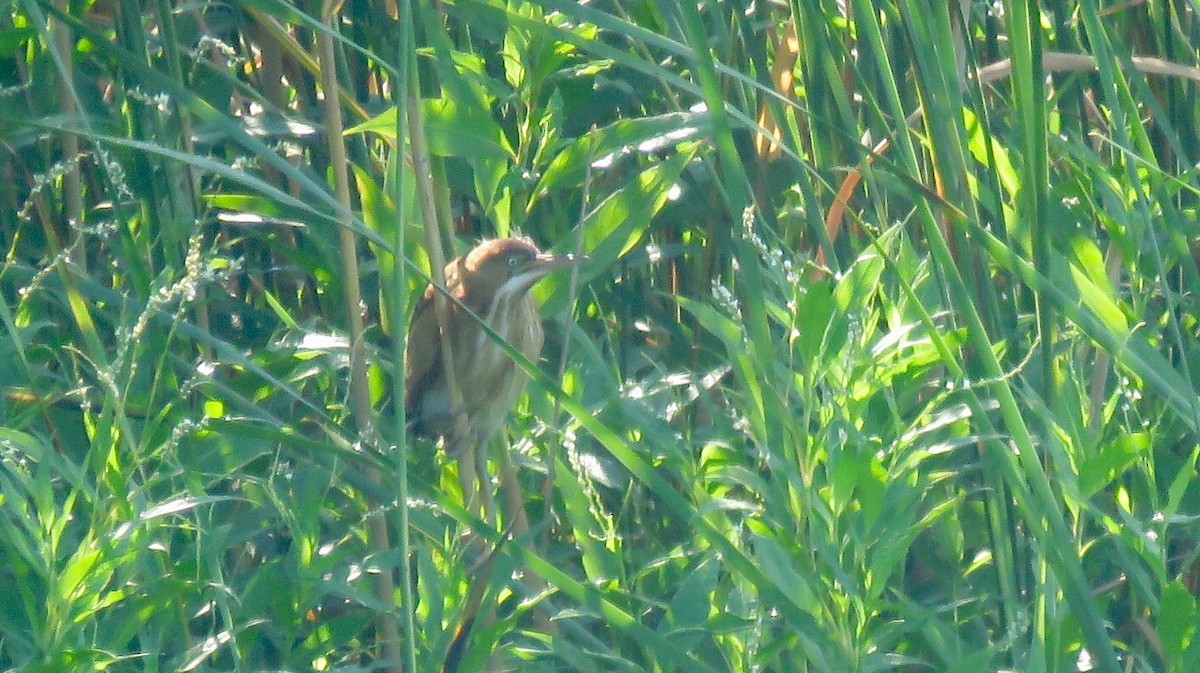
[
  {"x": 468, "y": 480},
  {"x": 459, "y": 437},
  {"x": 485, "y": 483},
  {"x": 461, "y": 445},
  {"x": 515, "y": 518}
]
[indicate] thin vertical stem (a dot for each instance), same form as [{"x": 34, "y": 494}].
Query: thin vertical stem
[
  {"x": 360, "y": 396},
  {"x": 400, "y": 311},
  {"x": 64, "y": 46}
]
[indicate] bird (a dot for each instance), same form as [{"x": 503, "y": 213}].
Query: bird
[{"x": 493, "y": 281}]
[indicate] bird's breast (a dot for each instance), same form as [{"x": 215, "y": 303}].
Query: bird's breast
[{"x": 490, "y": 381}]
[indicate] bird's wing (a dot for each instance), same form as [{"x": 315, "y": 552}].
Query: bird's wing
[
  {"x": 424, "y": 351},
  {"x": 424, "y": 347}
]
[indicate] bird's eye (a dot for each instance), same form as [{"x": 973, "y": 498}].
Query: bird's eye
[{"x": 512, "y": 262}]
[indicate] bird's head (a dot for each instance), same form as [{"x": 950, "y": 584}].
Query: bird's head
[{"x": 510, "y": 266}]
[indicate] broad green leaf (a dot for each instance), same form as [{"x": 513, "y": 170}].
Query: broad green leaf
[{"x": 451, "y": 131}]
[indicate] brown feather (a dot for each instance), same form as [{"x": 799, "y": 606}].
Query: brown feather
[
  {"x": 423, "y": 355},
  {"x": 493, "y": 281}
]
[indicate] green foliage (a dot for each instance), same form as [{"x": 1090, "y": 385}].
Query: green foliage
[{"x": 886, "y": 357}]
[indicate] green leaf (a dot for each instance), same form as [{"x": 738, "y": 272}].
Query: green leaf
[
  {"x": 451, "y": 129},
  {"x": 1176, "y": 623},
  {"x": 1112, "y": 461}
]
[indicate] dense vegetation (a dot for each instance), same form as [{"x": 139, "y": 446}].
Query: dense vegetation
[{"x": 886, "y": 357}]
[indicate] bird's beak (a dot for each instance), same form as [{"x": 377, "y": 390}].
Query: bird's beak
[
  {"x": 538, "y": 268},
  {"x": 545, "y": 262}
]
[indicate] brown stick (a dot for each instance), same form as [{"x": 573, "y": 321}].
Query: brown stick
[{"x": 360, "y": 395}]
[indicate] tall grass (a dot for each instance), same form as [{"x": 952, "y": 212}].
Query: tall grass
[{"x": 886, "y": 358}]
